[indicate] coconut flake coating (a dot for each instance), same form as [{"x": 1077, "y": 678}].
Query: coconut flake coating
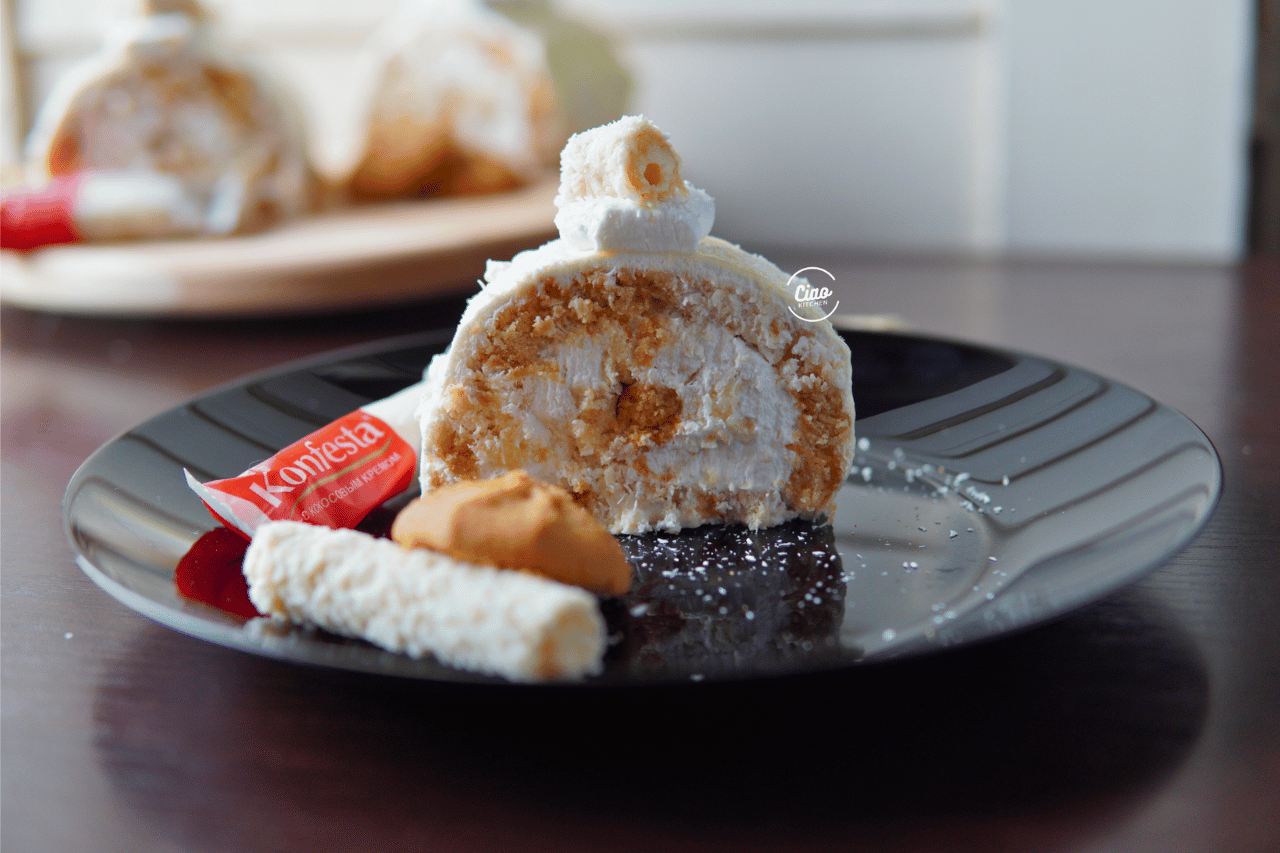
[{"x": 478, "y": 618}]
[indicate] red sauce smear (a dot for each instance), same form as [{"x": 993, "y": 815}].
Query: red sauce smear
[{"x": 210, "y": 573}]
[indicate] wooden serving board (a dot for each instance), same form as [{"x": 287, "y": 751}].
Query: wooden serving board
[{"x": 356, "y": 257}]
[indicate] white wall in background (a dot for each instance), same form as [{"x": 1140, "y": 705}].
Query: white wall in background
[
  {"x": 798, "y": 154},
  {"x": 1128, "y": 124},
  {"x": 1061, "y": 127}
]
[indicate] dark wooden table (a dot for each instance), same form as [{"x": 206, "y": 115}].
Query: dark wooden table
[{"x": 1147, "y": 721}]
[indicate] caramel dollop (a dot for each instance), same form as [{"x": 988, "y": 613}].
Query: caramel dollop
[{"x": 516, "y": 522}]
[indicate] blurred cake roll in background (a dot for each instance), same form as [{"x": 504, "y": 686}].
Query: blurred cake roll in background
[
  {"x": 461, "y": 101},
  {"x": 164, "y": 100}
]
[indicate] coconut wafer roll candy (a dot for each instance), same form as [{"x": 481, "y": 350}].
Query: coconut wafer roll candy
[
  {"x": 334, "y": 477},
  {"x": 418, "y": 602}
]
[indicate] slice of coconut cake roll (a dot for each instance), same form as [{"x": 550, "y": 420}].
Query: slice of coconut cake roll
[{"x": 665, "y": 378}]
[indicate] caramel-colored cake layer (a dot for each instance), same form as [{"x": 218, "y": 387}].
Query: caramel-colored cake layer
[{"x": 602, "y": 450}]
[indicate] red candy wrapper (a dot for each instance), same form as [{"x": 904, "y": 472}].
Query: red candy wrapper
[{"x": 333, "y": 477}]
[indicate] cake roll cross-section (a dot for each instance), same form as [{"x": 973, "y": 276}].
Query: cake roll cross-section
[{"x": 664, "y": 378}]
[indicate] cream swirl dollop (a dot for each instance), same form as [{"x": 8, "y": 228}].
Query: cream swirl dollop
[{"x": 621, "y": 190}]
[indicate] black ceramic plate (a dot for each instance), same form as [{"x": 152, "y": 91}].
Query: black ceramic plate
[{"x": 993, "y": 490}]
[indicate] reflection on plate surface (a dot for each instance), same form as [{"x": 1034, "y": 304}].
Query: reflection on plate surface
[{"x": 992, "y": 490}]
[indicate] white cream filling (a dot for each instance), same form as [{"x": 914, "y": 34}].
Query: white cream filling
[{"x": 734, "y": 418}]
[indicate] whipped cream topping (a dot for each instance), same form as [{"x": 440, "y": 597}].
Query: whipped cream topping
[{"x": 621, "y": 190}]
